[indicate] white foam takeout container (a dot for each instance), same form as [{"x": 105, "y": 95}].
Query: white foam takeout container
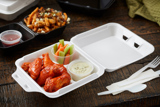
[
  {"x": 10, "y": 9},
  {"x": 108, "y": 47}
]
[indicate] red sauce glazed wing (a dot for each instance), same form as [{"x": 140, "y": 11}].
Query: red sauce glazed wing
[
  {"x": 62, "y": 79},
  {"x": 35, "y": 68},
  {"x": 54, "y": 84},
  {"x": 46, "y": 60},
  {"x": 25, "y": 66},
  {"x": 44, "y": 74}
]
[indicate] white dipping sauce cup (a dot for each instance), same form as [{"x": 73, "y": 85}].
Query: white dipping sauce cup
[{"x": 77, "y": 76}]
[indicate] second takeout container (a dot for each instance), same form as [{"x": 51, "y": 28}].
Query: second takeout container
[
  {"x": 108, "y": 48},
  {"x": 27, "y": 34},
  {"x": 10, "y": 9},
  {"x": 93, "y": 7}
]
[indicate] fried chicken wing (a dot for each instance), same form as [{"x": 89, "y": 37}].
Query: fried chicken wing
[
  {"x": 35, "y": 68},
  {"x": 62, "y": 79},
  {"x": 25, "y": 66},
  {"x": 44, "y": 74},
  {"x": 54, "y": 84},
  {"x": 46, "y": 60},
  {"x": 59, "y": 69}
]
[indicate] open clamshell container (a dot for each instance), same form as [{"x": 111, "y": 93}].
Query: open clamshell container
[
  {"x": 28, "y": 34},
  {"x": 10, "y": 9},
  {"x": 108, "y": 47},
  {"x": 94, "y": 7}
]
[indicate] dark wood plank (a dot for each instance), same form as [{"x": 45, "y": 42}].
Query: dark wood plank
[{"x": 13, "y": 95}]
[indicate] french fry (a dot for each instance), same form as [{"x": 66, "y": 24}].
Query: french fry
[
  {"x": 30, "y": 26},
  {"x": 51, "y": 21},
  {"x": 35, "y": 29},
  {"x": 34, "y": 18},
  {"x": 31, "y": 15},
  {"x": 65, "y": 16},
  {"x": 46, "y": 22},
  {"x": 63, "y": 23},
  {"x": 41, "y": 9},
  {"x": 39, "y": 30},
  {"x": 58, "y": 24},
  {"x": 35, "y": 10},
  {"x": 25, "y": 20},
  {"x": 55, "y": 19},
  {"x": 47, "y": 28},
  {"x": 60, "y": 15}
]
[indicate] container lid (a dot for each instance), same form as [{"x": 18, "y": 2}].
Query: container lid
[
  {"x": 12, "y": 6},
  {"x": 112, "y": 46}
]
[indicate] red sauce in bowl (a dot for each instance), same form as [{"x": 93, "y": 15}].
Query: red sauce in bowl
[{"x": 10, "y": 37}]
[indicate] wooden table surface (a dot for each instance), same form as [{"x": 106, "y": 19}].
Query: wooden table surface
[{"x": 13, "y": 95}]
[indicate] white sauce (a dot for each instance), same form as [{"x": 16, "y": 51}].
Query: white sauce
[{"x": 81, "y": 68}]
